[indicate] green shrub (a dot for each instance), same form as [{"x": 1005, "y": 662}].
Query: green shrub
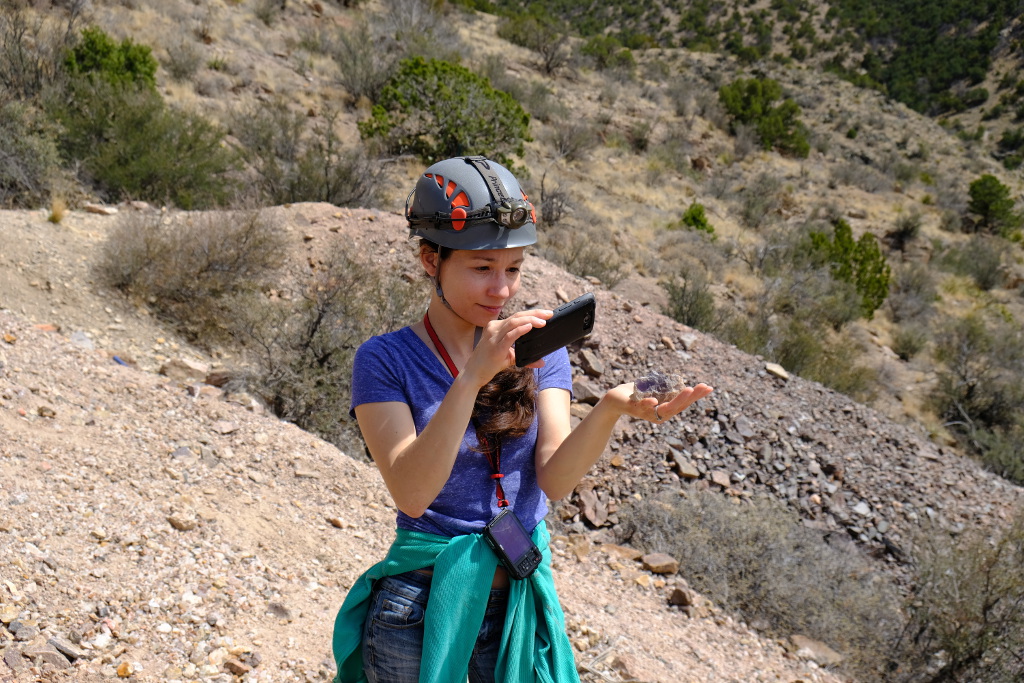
[
  {"x": 773, "y": 570},
  {"x": 97, "y": 55},
  {"x": 966, "y": 612},
  {"x": 29, "y": 161},
  {"x": 436, "y": 110},
  {"x": 301, "y": 348},
  {"x": 130, "y": 144},
  {"x": 695, "y": 217},
  {"x": 195, "y": 270},
  {"x": 991, "y": 201},
  {"x": 608, "y": 53},
  {"x": 752, "y": 101},
  {"x": 860, "y": 263},
  {"x": 295, "y": 161}
]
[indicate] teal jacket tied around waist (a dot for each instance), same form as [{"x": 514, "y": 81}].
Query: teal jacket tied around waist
[{"x": 534, "y": 645}]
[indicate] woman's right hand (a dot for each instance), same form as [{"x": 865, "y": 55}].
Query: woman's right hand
[{"x": 494, "y": 352}]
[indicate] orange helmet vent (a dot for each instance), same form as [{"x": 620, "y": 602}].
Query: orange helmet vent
[
  {"x": 461, "y": 199},
  {"x": 450, "y": 189}
]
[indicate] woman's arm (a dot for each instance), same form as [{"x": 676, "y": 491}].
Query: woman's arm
[
  {"x": 562, "y": 462},
  {"x": 415, "y": 468}
]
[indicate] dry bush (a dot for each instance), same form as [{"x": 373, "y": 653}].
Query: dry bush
[
  {"x": 183, "y": 60},
  {"x": 909, "y": 340},
  {"x": 978, "y": 259},
  {"x": 196, "y": 269},
  {"x": 29, "y": 160},
  {"x": 300, "y": 347},
  {"x": 857, "y": 174},
  {"x": 761, "y": 200},
  {"x": 759, "y": 560},
  {"x": 674, "y": 152},
  {"x": 362, "y": 72},
  {"x": 292, "y": 158},
  {"x": 32, "y": 48},
  {"x": 572, "y": 139},
  {"x": 585, "y": 247},
  {"x": 912, "y": 293},
  {"x": 967, "y": 609},
  {"x": 690, "y": 300},
  {"x": 556, "y": 201}
]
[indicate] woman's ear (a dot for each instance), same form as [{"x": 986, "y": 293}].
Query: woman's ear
[{"x": 430, "y": 260}]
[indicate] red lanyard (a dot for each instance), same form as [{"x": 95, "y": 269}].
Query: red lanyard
[{"x": 495, "y": 461}]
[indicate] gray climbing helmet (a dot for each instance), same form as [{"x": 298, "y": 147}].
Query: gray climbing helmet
[{"x": 471, "y": 203}]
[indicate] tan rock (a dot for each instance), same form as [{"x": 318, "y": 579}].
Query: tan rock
[
  {"x": 660, "y": 563},
  {"x": 184, "y": 369},
  {"x": 815, "y": 650}
]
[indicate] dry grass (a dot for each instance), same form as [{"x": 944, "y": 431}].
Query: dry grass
[{"x": 58, "y": 209}]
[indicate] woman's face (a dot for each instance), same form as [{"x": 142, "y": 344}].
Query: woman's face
[{"x": 478, "y": 283}]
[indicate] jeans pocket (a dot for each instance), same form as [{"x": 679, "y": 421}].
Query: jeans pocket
[{"x": 400, "y": 613}]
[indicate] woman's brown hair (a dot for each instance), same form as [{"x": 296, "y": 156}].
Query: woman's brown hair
[{"x": 506, "y": 405}]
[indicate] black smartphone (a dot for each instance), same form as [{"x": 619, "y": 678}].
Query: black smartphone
[
  {"x": 571, "y": 322},
  {"x": 512, "y": 544}
]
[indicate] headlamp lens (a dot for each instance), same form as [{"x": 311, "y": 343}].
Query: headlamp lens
[{"x": 513, "y": 213}]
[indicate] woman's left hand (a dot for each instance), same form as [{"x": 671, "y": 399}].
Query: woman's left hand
[{"x": 650, "y": 409}]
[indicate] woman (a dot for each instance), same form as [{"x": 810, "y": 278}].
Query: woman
[{"x": 460, "y": 434}]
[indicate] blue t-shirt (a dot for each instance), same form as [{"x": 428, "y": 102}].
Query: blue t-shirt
[{"x": 399, "y": 366}]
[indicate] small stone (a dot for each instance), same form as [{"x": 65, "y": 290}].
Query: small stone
[
  {"x": 224, "y": 427},
  {"x": 47, "y": 655},
  {"x": 100, "y": 210},
  {"x": 66, "y": 648},
  {"x": 660, "y": 563},
  {"x": 591, "y": 363},
  {"x": 776, "y": 370},
  {"x": 184, "y": 369},
  {"x": 236, "y": 667},
  {"x": 681, "y": 597},
  {"x": 721, "y": 477},
  {"x": 46, "y": 411},
  {"x": 182, "y": 523},
  {"x": 14, "y": 659},
  {"x": 124, "y": 670},
  {"x": 815, "y": 650}
]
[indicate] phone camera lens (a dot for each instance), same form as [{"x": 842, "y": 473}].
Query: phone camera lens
[{"x": 587, "y": 320}]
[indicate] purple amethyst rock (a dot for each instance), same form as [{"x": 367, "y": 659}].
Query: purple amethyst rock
[{"x": 659, "y": 385}]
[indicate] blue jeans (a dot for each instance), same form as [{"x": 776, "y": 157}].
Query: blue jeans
[{"x": 393, "y": 632}]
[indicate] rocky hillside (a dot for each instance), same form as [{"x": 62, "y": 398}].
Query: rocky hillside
[{"x": 157, "y": 528}]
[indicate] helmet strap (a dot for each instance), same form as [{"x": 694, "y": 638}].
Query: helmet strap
[{"x": 491, "y": 178}]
